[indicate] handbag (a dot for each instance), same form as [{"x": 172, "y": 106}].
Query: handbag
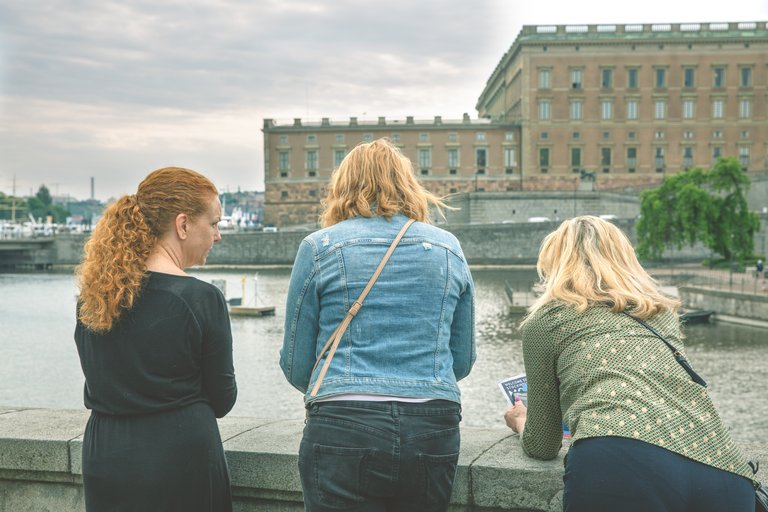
[
  {"x": 680, "y": 358},
  {"x": 333, "y": 341},
  {"x": 761, "y": 492}
]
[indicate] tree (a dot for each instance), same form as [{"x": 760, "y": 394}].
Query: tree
[
  {"x": 44, "y": 195},
  {"x": 707, "y": 206}
]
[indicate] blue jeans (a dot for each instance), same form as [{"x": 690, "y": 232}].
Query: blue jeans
[
  {"x": 379, "y": 456},
  {"x": 609, "y": 474}
]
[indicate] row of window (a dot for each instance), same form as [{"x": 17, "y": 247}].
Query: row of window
[
  {"x": 340, "y": 138},
  {"x": 424, "y": 159},
  {"x": 633, "y": 109},
  {"x": 631, "y": 161},
  {"x": 658, "y": 134},
  {"x": 660, "y": 76}
]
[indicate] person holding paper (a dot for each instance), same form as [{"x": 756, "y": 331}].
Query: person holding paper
[{"x": 646, "y": 435}]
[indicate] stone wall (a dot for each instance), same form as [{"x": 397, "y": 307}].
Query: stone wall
[
  {"x": 41, "y": 450},
  {"x": 727, "y": 305}
]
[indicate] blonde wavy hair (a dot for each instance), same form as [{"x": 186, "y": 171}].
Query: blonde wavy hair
[
  {"x": 114, "y": 261},
  {"x": 588, "y": 260},
  {"x": 375, "y": 178}
]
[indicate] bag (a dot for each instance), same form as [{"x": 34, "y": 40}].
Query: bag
[
  {"x": 761, "y": 493},
  {"x": 680, "y": 358}
]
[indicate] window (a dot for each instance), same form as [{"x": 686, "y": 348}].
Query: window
[
  {"x": 717, "y": 134},
  {"x": 632, "y": 74},
  {"x": 687, "y": 134},
  {"x": 744, "y": 108},
  {"x": 606, "y": 110},
  {"x": 544, "y": 110},
  {"x": 745, "y": 77},
  {"x": 688, "y": 109},
  {"x": 718, "y": 77},
  {"x": 744, "y": 157},
  {"x": 367, "y": 137},
  {"x": 689, "y": 77},
  {"x": 544, "y": 159},
  {"x": 545, "y": 78},
  {"x": 576, "y": 160},
  {"x": 717, "y": 152},
  {"x": 283, "y": 174},
  {"x": 632, "y": 134},
  {"x": 453, "y": 158},
  {"x": 544, "y": 135},
  {"x": 632, "y": 109},
  {"x": 338, "y": 156},
  {"x": 658, "y": 158},
  {"x": 659, "y": 134},
  {"x": 661, "y": 78},
  {"x": 425, "y": 158},
  {"x": 509, "y": 136},
  {"x": 576, "y": 78},
  {"x": 605, "y": 159},
  {"x": 282, "y": 160},
  {"x": 606, "y": 78},
  {"x": 660, "y": 109},
  {"x": 339, "y": 138},
  {"x": 453, "y": 136},
  {"x": 283, "y": 194},
  {"x": 396, "y": 138},
  {"x": 631, "y": 159},
  {"x": 311, "y": 138},
  {"x": 480, "y": 136},
  {"x": 311, "y": 160},
  {"x": 312, "y": 193},
  {"x": 510, "y": 159},
  {"x": 576, "y": 110},
  {"x": 744, "y": 134},
  {"x": 687, "y": 157},
  {"x": 423, "y": 137},
  {"x": 283, "y": 140},
  {"x": 480, "y": 154},
  {"x": 717, "y": 109},
  {"x": 576, "y": 135}
]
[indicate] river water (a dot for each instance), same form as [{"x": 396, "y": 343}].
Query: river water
[{"x": 39, "y": 366}]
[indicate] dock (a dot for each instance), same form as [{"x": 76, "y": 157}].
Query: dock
[{"x": 251, "y": 311}]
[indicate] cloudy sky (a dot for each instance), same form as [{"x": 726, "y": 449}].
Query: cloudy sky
[{"x": 113, "y": 89}]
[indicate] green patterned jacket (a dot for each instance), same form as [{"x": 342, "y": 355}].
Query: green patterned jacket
[{"x": 606, "y": 375}]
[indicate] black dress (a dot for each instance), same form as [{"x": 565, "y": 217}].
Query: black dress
[{"x": 155, "y": 385}]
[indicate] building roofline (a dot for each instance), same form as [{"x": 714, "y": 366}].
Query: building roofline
[
  {"x": 630, "y": 33},
  {"x": 382, "y": 123}
]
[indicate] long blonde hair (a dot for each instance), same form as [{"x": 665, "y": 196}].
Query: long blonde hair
[
  {"x": 588, "y": 260},
  {"x": 114, "y": 261},
  {"x": 375, "y": 178}
]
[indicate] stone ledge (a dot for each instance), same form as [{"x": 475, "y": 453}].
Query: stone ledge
[{"x": 40, "y": 468}]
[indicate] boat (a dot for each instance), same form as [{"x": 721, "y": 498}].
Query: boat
[
  {"x": 519, "y": 302},
  {"x": 238, "y": 306},
  {"x": 699, "y": 316}
]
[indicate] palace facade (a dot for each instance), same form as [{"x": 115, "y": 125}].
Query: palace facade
[{"x": 615, "y": 105}]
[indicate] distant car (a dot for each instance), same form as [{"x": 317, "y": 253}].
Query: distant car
[
  {"x": 608, "y": 216},
  {"x": 270, "y": 229},
  {"x": 539, "y": 219}
]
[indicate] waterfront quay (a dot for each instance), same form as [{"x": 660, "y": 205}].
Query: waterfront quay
[{"x": 40, "y": 454}]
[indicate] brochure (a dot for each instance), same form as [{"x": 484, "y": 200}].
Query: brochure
[{"x": 517, "y": 388}]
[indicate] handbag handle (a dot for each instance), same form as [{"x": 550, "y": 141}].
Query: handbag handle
[
  {"x": 679, "y": 357},
  {"x": 333, "y": 342}
]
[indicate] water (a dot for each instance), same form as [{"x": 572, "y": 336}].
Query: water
[{"x": 39, "y": 366}]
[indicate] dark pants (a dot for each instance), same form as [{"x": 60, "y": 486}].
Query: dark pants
[
  {"x": 379, "y": 456},
  {"x": 615, "y": 474}
]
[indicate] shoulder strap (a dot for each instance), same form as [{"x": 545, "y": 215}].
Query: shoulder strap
[
  {"x": 654, "y": 331},
  {"x": 333, "y": 342}
]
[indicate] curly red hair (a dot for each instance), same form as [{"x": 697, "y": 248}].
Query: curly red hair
[{"x": 114, "y": 261}]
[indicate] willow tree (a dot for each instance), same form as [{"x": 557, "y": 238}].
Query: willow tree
[{"x": 699, "y": 205}]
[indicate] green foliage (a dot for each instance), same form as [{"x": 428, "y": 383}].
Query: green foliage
[
  {"x": 44, "y": 195},
  {"x": 707, "y": 206}
]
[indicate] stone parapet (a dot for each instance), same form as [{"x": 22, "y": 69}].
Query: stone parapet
[{"x": 41, "y": 449}]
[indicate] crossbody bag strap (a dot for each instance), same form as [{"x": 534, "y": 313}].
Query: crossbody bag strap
[
  {"x": 333, "y": 342},
  {"x": 679, "y": 357}
]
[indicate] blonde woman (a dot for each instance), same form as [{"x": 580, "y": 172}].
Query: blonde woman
[
  {"x": 382, "y": 430},
  {"x": 645, "y": 435},
  {"x": 156, "y": 349}
]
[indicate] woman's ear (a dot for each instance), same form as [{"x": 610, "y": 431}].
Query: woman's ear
[{"x": 182, "y": 221}]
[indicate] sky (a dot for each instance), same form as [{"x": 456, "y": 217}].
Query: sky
[{"x": 113, "y": 89}]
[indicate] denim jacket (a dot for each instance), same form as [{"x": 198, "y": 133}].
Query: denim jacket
[{"x": 413, "y": 337}]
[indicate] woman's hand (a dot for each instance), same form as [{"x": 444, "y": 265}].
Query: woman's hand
[{"x": 515, "y": 416}]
